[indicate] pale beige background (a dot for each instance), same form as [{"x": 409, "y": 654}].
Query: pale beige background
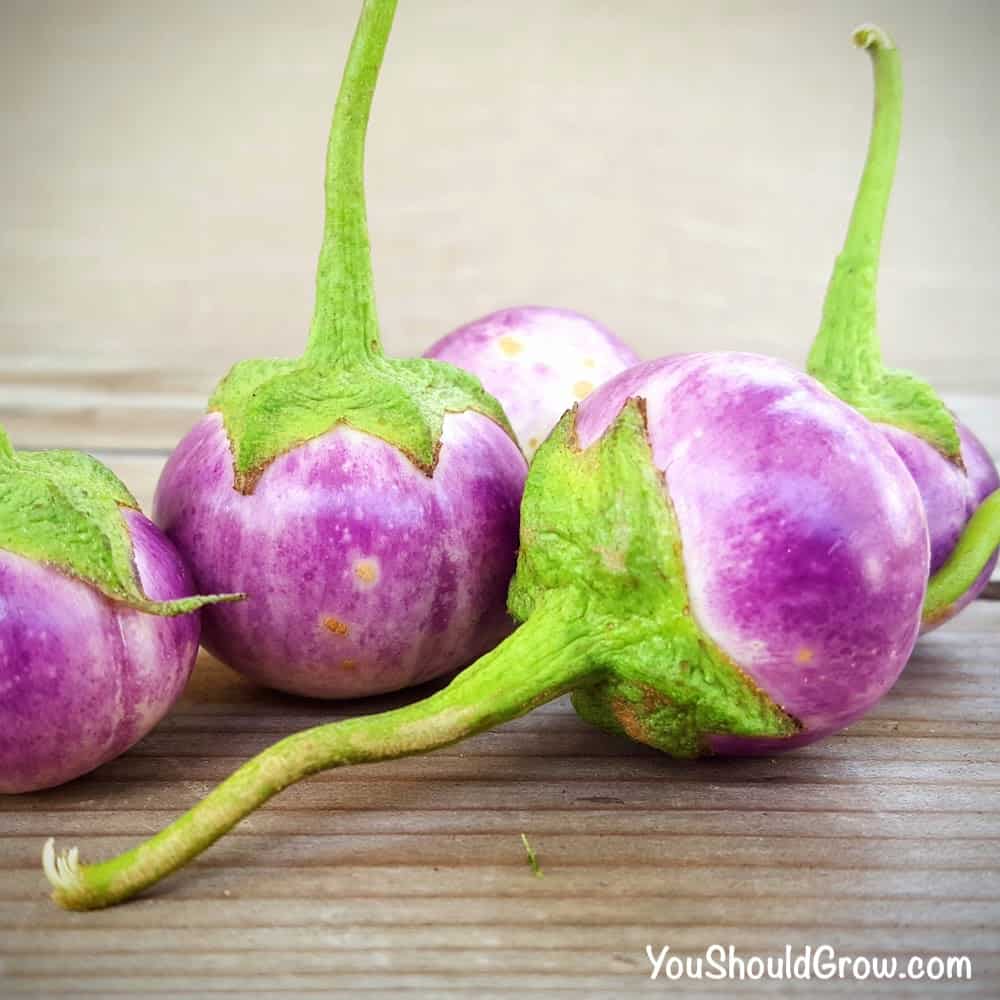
[{"x": 682, "y": 171}]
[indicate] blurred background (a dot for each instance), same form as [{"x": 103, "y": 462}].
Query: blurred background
[{"x": 681, "y": 171}]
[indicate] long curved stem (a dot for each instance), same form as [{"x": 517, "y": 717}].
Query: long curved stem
[
  {"x": 974, "y": 550},
  {"x": 345, "y": 321},
  {"x": 846, "y": 355},
  {"x": 847, "y": 345},
  {"x": 549, "y": 655}
]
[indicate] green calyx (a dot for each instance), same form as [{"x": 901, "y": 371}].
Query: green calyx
[
  {"x": 846, "y": 356},
  {"x": 270, "y": 406},
  {"x": 600, "y": 522},
  {"x": 64, "y": 509}
]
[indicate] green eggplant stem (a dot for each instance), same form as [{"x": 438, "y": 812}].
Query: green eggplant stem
[
  {"x": 6, "y": 448},
  {"x": 847, "y": 345},
  {"x": 345, "y": 322},
  {"x": 974, "y": 549},
  {"x": 846, "y": 355},
  {"x": 552, "y": 653}
]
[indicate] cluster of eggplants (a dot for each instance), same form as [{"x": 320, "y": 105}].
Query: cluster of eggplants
[
  {"x": 717, "y": 554},
  {"x": 368, "y": 568}
]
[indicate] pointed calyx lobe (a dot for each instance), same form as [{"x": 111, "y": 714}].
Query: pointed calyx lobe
[
  {"x": 600, "y": 521},
  {"x": 271, "y": 406},
  {"x": 64, "y": 508},
  {"x": 846, "y": 355}
]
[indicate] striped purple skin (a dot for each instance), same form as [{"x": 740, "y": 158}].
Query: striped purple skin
[
  {"x": 950, "y": 498},
  {"x": 537, "y": 361},
  {"x": 82, "y": 678},
  {"x": 804, "y": 537},
  {"x": 363, "y": 574}
]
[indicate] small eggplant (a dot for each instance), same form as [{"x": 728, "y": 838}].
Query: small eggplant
[
  {"x": 538, "y": 361},
  {"x": 98, "y": 628}
]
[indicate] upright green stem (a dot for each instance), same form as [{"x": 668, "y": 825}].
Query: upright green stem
[
  {"x": 846, "y": 356},
  {"x": 847, "y": 345},
  {"x": 6, "y": 448},
  {"x": 345, "y": 322},
  {"x": 974, "y": 550},
  {"x": 550, "y": 654}
]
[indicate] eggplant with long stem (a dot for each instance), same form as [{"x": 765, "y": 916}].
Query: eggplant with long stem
[
  {"x": 367, "y": 506},
  {"x": 952, "y": 469}
]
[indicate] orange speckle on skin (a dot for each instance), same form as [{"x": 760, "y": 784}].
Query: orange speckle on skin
[
  {"x": 367, "y": 572},
  {"x": 583, "y": 389},
  {"x": 804, "y": 655},
  {"x": 336, "y": 626},
  {"x": 348, "y": 664},
  {"x": 533, "y": 443},
  {"x": 510, "y": 346}
]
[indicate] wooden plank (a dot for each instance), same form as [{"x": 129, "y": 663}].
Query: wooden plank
[
  {"x": 488, "y": 985},
  {"x": 614, "y": 888},
  {"x": 477, "y": 913}
]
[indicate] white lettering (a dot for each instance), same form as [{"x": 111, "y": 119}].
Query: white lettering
[{"x": 657, "y": 963}]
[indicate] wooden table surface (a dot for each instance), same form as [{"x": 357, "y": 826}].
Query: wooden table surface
[{"x": 409, "y": 878}]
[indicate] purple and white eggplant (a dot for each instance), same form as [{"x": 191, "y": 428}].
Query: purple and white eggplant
[
  {"x": 950, "y": 466},
  {"x": 538, "y": 361},
  {"x": 98, "y": 630},
  {"x": 367, "y": 506}
]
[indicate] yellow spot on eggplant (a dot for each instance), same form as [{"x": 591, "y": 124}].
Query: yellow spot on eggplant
[
  {"x": 804, "y": 655},
  {"x": 510, "y": 346},
  {"x": 589, "y": 363},
  {"x": 348, "y": 664},
  {"x": 336, "y": 626},
  {"x": 583, "y": 389},
  {"x": 366, "y": 571},
  {"x": 533, "y": 443}
]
